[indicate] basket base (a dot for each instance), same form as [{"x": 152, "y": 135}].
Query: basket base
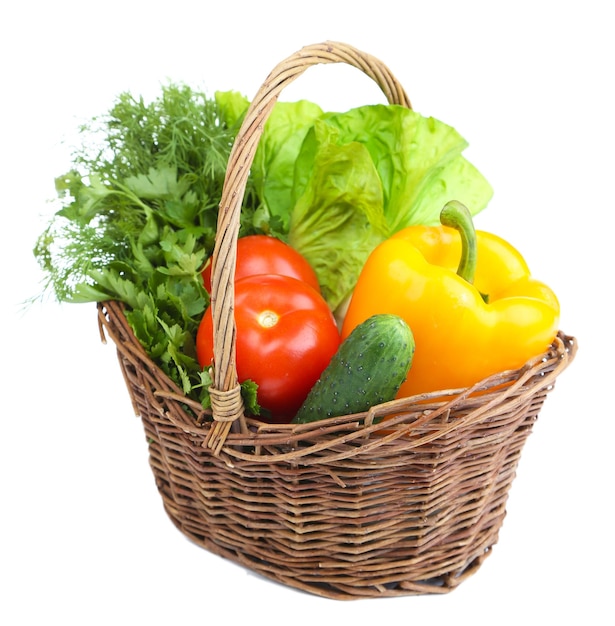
[
  {"x": 339, "y": 589},
  {"x": 353, "y": 576}
]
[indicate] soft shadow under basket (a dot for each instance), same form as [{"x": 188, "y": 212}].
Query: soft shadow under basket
[{"x": 340, "y": 508}]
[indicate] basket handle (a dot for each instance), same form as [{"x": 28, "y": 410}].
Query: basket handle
[{"x": 227, "y": 405}]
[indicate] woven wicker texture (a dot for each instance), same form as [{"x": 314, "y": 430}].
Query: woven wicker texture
[{"x": 348, "y": 507}]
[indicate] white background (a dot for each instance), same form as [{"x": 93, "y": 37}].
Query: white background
[{"x": 83, "y": 536}]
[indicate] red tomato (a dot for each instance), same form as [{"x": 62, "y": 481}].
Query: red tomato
[
  {"x": 286, "y": 336},
  {"x": 263, "y": 254}
]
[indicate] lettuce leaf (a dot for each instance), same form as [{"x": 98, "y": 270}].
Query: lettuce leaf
[
  {"x": 274, "y": 162},
  {"x": 419, "y": 160},
  {"x": 232, "y": 106},
  {"x": 339, "y": 217}
]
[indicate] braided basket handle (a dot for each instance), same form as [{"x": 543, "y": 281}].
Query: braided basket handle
[{"x": 227, "y": 405}]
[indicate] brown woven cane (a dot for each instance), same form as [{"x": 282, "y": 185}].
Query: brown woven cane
[{"x": 347, "y": 507}]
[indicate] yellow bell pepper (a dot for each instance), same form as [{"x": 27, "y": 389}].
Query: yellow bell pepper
[{"x": 467, "y": 295}]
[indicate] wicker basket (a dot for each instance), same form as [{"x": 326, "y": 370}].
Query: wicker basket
[{"x": 340, "y": 508}]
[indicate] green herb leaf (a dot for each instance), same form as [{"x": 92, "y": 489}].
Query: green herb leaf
[{"x": 137, "y": 218}]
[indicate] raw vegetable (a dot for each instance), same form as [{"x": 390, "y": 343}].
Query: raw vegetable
[
  {"x": 460, "y": 337},
  {"x": 137, "y": 219},
  {"x": 264, "y": 254},
  {"x": 272, "y": 171},
  {"x": 368, "y": 369},
  {"x": 286, "y": 336}
]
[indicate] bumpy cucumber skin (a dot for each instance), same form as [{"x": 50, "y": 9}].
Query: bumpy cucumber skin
[{"x": 368, "y": 369}]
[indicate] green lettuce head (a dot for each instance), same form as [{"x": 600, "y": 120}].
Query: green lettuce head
[{"x": 362, "y": 176}]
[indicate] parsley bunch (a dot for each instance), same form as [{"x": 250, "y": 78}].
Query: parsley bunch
[{"x": 138, "y": 220}]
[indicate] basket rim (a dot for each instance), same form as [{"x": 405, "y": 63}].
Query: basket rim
[{"x": 480, "y": 402}]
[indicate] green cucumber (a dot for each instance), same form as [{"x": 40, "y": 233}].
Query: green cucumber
[{"x": 367, "y": 369}]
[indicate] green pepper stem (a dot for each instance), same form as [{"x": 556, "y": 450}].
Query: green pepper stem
[{"x": 457, "y": 216}]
